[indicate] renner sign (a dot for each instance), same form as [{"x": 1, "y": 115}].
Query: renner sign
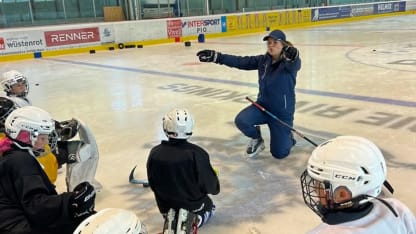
[{"x": 72, "y": 36}]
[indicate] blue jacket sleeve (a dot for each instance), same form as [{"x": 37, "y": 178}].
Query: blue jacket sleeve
[
  {"x": 293, "y": 67},
  {"x": 240, "y": 62}
]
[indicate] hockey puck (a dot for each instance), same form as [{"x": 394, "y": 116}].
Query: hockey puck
[
  {"x": 187, "y": 43},
  {"x": 37, "y": 84}
]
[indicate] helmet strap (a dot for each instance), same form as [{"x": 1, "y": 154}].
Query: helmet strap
[
  {"x": 333, "y": 217},
  {"x": 386, "y": 204},
  {"x": 24, "y": 146}
]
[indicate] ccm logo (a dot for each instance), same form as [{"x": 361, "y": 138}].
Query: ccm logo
[
  {"x": 344, "y": 177},
  {"x": 89, "y": 196}
]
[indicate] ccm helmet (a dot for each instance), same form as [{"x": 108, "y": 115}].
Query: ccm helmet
[
  {"x": 25, "y": 124},
  {"x": 350, "y": 162},
  {"x": 112, "y": 221},
  {"x": 178, "y": 124},
  {"x": 11, "y": 78}
]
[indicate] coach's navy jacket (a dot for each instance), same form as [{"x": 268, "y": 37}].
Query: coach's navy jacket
[{"x": 276, "y": 81}]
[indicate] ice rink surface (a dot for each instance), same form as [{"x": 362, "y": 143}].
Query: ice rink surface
[{"x": 356, "y": 78}]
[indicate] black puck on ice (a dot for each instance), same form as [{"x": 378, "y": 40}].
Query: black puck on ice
[{"x": 187, "y": 43}]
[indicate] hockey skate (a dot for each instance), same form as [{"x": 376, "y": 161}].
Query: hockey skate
[
  {"x": 182, "y": 222},
  {"x": 255, "y": 146}
]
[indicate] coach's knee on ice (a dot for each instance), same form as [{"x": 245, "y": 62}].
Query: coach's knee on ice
[{"x": 280, "y": 152}]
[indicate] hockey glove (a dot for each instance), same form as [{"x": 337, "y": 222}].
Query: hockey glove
[
  {"x": 83, "y": 201},
  {"x": 66, "y": 129},
  {"x": 290, "y": 53},
  {"x": 207, "y": 56}
]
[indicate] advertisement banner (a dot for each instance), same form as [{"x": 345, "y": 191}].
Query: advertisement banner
[
  {"x": 291, "y": 17},
  {"x": 411, "y": 5},
  {"x": 273, "y": 19},
  {"x": 361, "y": 10},
  {"x": 390, "y": 7},
  {"x": 276, "y": 19},
  {"x": 107, "y": 34},
  {"x": 72, "y": 36},
  {"x": 198, "y": 26},
  {"x": 21, "y": 42},
  {"x": 232, "y": 23},
  {"x": 223, "y": 24},
  {"x": 174, "y": 28},
  {"x": 306, "y": 15},
  {"x": 257, "y": 20},
  {"x": 331, "y": 13}
]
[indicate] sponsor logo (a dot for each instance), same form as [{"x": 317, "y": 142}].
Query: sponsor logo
[
  {"x": 385, "y": 7},
  {"x": 72, "y": 36},
  {"x": 201, "y": 23},
  {"x": 2, "y": 45},
  {"x": 345, "y": 177},
  {"x": 174, "y": 28},
  {"x": 107, "y": 32},
  {"x": 89, "y": 196},
  {"x": 24, "y": 43}
]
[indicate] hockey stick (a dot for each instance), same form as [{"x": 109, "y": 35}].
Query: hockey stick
[
  {"x": 280, "y": 121},
  {"x": 133, "y": 180},
  {"x": 386, "y": 183}
]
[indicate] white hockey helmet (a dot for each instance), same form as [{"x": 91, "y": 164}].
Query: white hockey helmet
[
  {"x": 25, "y": 124},
  {"x": 112, "y": 221},
  {"x": 178, "y": 124},
  {"x": 350, "y": 162},
  {"x": 11, "y": 78}
]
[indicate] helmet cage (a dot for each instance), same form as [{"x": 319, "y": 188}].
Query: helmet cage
[
  {"x": 53, "y": 139},
  {"x": 351, "y": 162},
  {"x": 317, "y": 195}
]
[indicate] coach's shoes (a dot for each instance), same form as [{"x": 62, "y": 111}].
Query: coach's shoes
[{"x": 255, "y": 147}]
